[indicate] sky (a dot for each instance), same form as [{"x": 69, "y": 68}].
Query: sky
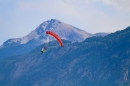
[{"x": 20, "y": 17}]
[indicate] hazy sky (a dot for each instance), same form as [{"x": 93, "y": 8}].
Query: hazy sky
[{"x": 20, "y": 17}]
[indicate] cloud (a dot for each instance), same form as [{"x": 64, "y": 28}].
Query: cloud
[
  {"x": 123, "y": 5},
  {"x": 57, "y": 8},
  {"x": 83, "y": 13},
  {"x": 77, "y": 10}
]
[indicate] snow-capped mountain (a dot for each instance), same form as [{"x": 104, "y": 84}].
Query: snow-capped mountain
[
  {"x": 64, "y": 31},
  {"x": 17, "y": 46}
]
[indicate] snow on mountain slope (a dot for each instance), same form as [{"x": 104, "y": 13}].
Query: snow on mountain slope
[
  {"x": 69, "y": 32},
  {"x": 65, "y": 31},
  {"x": 35, "y": 34}
]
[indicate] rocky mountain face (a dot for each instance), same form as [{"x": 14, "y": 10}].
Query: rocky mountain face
[
  {"x": 96, "y": 61},
  {"x": 38, "y": 36}
]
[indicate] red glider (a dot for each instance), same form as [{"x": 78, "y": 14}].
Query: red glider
[{"x": 55, "y": 36}]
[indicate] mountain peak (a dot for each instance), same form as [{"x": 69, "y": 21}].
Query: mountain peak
[{"x": 53, "y": 21}]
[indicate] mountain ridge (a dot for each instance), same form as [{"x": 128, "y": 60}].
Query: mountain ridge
[{"x": 96, "y": 61}]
